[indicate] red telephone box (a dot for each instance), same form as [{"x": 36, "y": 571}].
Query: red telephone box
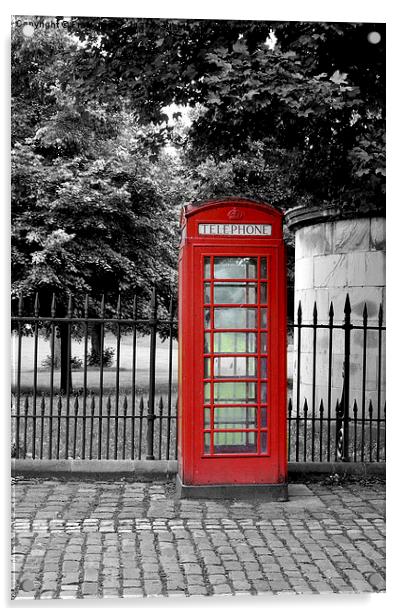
[{"x": 232, "y": 351}]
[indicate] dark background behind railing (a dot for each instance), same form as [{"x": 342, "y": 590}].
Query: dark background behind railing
[{"x": 130, "y": 422}]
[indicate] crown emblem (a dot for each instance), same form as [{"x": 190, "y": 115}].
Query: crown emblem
[{"x": 235, "y": 214}]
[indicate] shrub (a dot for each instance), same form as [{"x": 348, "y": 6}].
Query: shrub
[
  {"x": 76, "y": 362},
  {"x": 93, "y": 358}
]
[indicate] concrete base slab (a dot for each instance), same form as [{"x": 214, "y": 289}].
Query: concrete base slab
[{"x": 268, "y": 492}]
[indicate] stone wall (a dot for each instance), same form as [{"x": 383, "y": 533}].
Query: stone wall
[{"x": 334, "y": 258}]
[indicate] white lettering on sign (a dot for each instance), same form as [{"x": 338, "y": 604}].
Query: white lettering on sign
[{"x": 234, "y": 229}]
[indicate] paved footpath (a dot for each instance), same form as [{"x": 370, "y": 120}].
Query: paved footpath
[{"x": 83, "y": 539}]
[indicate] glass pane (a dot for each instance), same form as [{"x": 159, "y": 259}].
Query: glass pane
[
  {"x": 235, "y": 366},
  {"x": 235, "y": 417},
  {"x": 207, "y": 267},
  {"x": 263, "y": 293},
  {"x": 235, "y": 392},
  {"x": 235, "y": 342},
  {"x": 263, "y": 417},
  {"x": 235, "y": 293},
  {"x": 263, "y": 341},
  {"x": 263, "y": 392},
  {"x": 264, "y": 317},
  {"x": 207, "y": 318},
  {"x": 263, "y": 267},
  {"x": 207, "y": 442},
  {"x": 207, "y": 368},
  {"x": 235, "y": 442},
  {"x": 235, "y": 318},
  {"x": 264, "y": 442},
  {"x": 263, "y": 367},
  {"x": 207, "y": 417},
  {"x": 207, "y": 343},
  {"x": 207, "y": 392},
  {"x": 207, "y": 293},
  {"x": 235, "y": 267}
]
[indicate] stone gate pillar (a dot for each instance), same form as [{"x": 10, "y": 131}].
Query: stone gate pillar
[{"x": 336, "y": 255}]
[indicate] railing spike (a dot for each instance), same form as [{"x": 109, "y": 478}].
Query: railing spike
[
  {"x": 380, "y": 315},
  {"x": 321, "y": 408},
  {"x": 365, "y": 313},
  {"x": 70, "y": 306},
  {"x": 331, "y": 311},
  {"x": 347, "y": 308},
  {"x": 118, "y": 309},
  {"x": 370, "y": 410},
  {"x": 102, "y": 309},
  {"x": 153, "y": 303},
  {"x": 355, "y": 410},
  {"x": 20, "y": 304},
  {"x": 36, "y": 305},
  {"x": 135, "y": 307},
  {"x": 290, "y": 405},
  {"x": 315, "y": 313},
  {"x": 86, "y": 306},
  {"x": 305, "y": 405},
  {"x": 53, "y": 306},
  {"x": 299, "y": 312}
]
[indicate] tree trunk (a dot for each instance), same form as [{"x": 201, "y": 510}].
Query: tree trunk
[
  {"x": 65, "y": 360},
  {"x": 95, "y": 330},
  {"x": 57, "y": 352}
]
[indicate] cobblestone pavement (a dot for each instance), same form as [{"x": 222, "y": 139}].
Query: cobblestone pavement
[{"x": 82, "y": 539}]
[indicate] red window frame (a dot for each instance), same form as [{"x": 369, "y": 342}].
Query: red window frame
[{"x": 258, "y": 404}]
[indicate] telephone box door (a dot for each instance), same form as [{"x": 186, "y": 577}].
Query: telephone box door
[{"x": 237, "y": 431}]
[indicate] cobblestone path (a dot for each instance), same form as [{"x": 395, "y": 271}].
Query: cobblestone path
[{"x": 82, "y": 539}]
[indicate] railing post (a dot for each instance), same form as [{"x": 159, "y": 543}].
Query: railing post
[
  {"x": 169, "y": 400},
  {"x": 152, "y": 358},
  {"x": 299, "y": 326},
  {"x": 17, "y": 440},
  {"x": 133, "y": 377},
  {"x": 35, "y": 376},
  {"x": 346, "y": 382},
  {"x": 315, "y": 321}
]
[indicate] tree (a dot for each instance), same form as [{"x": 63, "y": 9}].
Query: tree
[
  {"x": 312, "y": 106},
  {"x": 89, "y": 211}
]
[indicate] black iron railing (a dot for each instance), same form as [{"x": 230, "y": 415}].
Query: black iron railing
[
  {"x": 106, "y": 421},
  {"x": 324, "y": 429},
  {"x": 135, "y": 420}
]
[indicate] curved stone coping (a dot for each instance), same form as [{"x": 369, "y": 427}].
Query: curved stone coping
[
  {"x": 302, "y": 216},
  {"x": 169, "y": 467}
]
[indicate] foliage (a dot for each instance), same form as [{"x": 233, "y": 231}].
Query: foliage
[
  {"x": 76, "y": 363},
  {"x": 91, "y": 209},
  {"x": 107, "y": 357},
  {"x": 306, "y": 115},
  {"x": 95, "y": 193}
]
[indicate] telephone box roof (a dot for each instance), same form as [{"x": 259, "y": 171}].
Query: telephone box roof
[{"x": 194, "y": 208}]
